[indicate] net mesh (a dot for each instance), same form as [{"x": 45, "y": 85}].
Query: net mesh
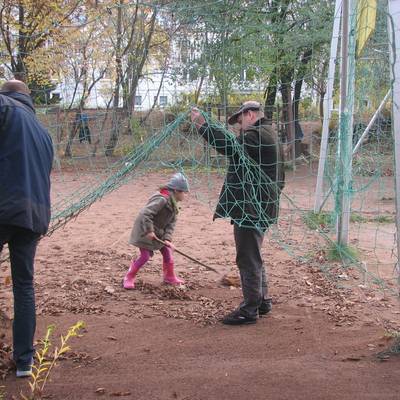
[{"x": 114, "y": 82}]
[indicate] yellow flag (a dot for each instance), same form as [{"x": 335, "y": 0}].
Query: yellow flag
[{"x": 366, "y": 17}]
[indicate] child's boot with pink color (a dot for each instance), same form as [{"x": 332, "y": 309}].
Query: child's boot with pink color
[
  {"x": 129, "y": 280},
  {"x": 169, "y": 276}
]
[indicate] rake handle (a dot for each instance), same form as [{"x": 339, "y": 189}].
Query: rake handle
[{"x": 187, "y": 256}]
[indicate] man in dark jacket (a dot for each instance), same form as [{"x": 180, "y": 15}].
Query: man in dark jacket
[
  {"x": 26, "y": 156},
  {"x": 249, "y": 197}
]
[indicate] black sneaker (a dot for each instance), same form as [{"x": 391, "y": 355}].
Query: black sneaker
[
  {"x": 265, "y": 307},
  {"x": 237, "y": 318}
]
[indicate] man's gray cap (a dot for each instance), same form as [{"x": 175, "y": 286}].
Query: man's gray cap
[
  {"x": 246, "y": 106},
  {"x": 178, "y": 182}
]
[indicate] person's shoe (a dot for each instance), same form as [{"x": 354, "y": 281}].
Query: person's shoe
[
  {"x": 129, "y": 280},
  {"x": 169, "y": 275},
  {"x": 23, "y": 373},
  {"x": 237, "y": 318},
  {"x": 265, "y": 307}
]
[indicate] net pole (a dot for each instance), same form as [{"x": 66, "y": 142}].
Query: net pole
[
  {"x": 328, "y": 103},
  {"x": 371, "y": 122},
  {"x": 394, "y": 52},
  {"x": 344, "y": 170},
  {"x": 358, "y": 145}
]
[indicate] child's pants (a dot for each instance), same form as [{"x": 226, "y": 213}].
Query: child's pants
[{"x": 145, "y": 256}]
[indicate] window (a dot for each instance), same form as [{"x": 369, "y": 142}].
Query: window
[
  {"x": 138, "y": 100},
  {"x": 163, "y": 100}
]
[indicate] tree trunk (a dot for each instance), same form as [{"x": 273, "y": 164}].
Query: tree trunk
[
  {"x": 297, "y": 96},
  {"x": 118, "y": 66},
  {"x": 321, "y": 105},
  {"x": 71, "y": 135},
  {"x": 20, "y": 72},
  {"x": 299, "y": 82},
  {"x": 270, "y": 96},
  {"x": 198, "y": 89},
  {"x": 139, "y": 66},
  {"x": 144, "y": 119},
  {"x": 287, "y": 114}
]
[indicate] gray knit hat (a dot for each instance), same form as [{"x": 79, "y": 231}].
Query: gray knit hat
[{"x": 178, "y": 182}]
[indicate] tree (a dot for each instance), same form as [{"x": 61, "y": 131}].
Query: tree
[
  {"x": 86, "y": 61},
  {"x": 32, "y": 31},
  {"x": 138, "y": 39}
]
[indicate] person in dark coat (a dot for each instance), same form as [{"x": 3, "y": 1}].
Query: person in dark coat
[
  {"x": 82, "y": 123},
  {"x": 26, "y": 156},
  {"x": 249, "y": 197}
]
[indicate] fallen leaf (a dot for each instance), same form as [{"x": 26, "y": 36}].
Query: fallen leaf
[
  {"x": 352, "y": 359},
  {"x": 109, "y": 289},
  {"x": 120, "y": 394}
]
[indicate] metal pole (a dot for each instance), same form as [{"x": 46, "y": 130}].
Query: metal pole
[
  {"x": 375, "y": 116},
  {"x": 342, "y": 106},
  {"x": 394, "y": 51},
  {"x": 328, "y": 100},
  {"x": 344, "y": 159},
  {"x": 357, "y": 146}
]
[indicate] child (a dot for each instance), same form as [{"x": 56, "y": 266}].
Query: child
[{"x": 157, "y": 221}]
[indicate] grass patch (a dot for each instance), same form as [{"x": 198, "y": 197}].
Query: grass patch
[
  {"x": 342, "y": 253},
  {"x": 394, "y": 349},
  {"x": 380, "y": 219},
  {"x": 320, "y": 220},
  {"x": 325, "y": 220},
  {"x": 384, "y": 219},
  {"x": 358, "y": 218}
]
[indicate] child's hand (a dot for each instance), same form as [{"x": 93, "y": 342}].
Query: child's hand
[
  {"x": 151, "y": 236},
  {"x": 169, "y": 244}
]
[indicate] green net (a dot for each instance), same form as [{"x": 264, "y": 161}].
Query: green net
[{"x": 114, "y": 82}]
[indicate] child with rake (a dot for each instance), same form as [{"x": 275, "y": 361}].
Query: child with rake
[{"x": 155, "y": 222}]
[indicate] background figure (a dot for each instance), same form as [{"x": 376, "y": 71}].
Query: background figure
[
  {"x": 82, "y": 123},
  {"x": 26, "y": 156},
  {"x": 249, "y": 220},
  {"x": 298, "y": 138}
]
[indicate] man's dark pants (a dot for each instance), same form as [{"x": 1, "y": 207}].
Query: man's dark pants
[
  {"x": 252, "y": 272},
  {"x": 22, "y": 245}
]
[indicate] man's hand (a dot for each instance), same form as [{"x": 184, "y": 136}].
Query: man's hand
[
  {"x": 151, "y": 236},
  {"x": 196, "y": 117}
]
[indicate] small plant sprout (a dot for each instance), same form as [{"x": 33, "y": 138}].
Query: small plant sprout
[{"x": 45, "y": 361}]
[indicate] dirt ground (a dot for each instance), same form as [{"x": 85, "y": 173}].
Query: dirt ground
[{"x": 157, "y": 342}]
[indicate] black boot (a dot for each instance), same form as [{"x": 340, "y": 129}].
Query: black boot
[
  {"x": 265, "y": 306},
  {"x": 237, "y": 318}
]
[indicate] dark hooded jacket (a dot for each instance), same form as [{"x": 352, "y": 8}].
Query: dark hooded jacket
[
  {"x": 26, "y": 156},
  {"x": 255, "y": 178}
]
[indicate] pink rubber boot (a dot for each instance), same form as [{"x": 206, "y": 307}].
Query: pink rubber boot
[
  {"x": 129, "y": 280},
  {"x": 169, "y": 275}
]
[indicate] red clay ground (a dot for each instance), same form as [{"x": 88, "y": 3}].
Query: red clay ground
[{"x": 320, "y": 342}]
